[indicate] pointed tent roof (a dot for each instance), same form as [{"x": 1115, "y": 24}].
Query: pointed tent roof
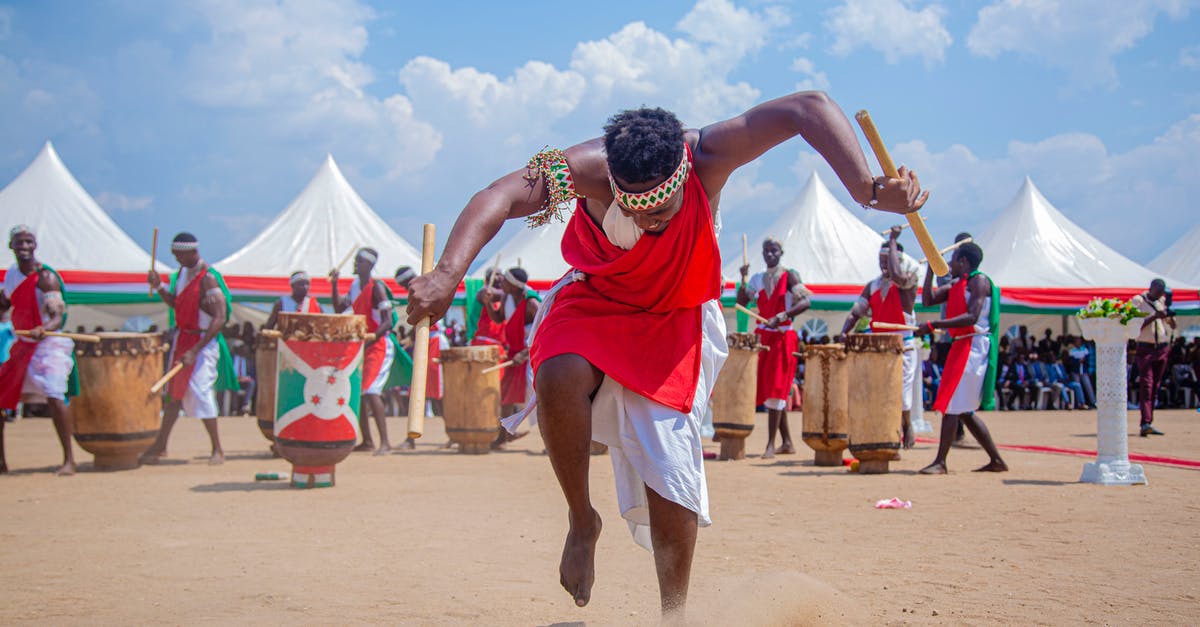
[
  {"x": 821, "y": 239},
  {"x": 538, "y": 250},
  {"x": 316, "y": 231},
  {"x": 1182, "y": 260},
  {"x": 73, "y": 232},
  {"x": 1032, "y": 244}
]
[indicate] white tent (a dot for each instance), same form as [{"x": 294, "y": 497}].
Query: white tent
[
  {"x": 316, "y": 231},
  {"x": 73, "y": 232},
  {"x": 1032, "y": 244},
  {"x": 537, "y": 250},
  {"x": 822, "y": 240},
  {"x": 1182, "y": 260}
]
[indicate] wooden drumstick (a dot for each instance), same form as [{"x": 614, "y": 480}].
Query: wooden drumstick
[
  {"x": 951, "y": 247},
  {"x": 271, "y": 333},
  {"x": 153, "y": 258},
  {"x": 416, "y": 391},
  {"x": 936, "y": 263},
  {"x": 886, "y": 231},
  {"x": 338, "y": 268},
  {"x": 745, "y": 251},
  {"x": 891, "y": 326},
  {"x": 158, "y": 385},
  {"x": 751, "y": 313},
  {"x": 498, "y": 366},
  {"x": 78, "y": 337}
]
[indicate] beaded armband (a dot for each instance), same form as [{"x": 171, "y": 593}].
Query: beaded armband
[{"x": 550, "y": 165}]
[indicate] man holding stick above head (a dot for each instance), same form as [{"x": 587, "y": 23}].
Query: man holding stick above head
[
  {"x": 890, "y": 298},
  {"x": 515, "y": 317},
  {"x": 370, "y": 298},
  {"x": 630, "y": 341},
  {"x": 969, "y": 378},
  {"x": 780, "y": 296},
  {"x": 298, "y": 302},
  {"x": 39, "y": 367},
  {"x": 200, "y": 304}
]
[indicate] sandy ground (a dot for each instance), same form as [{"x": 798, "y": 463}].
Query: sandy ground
[{"x": 434, "y": 537}]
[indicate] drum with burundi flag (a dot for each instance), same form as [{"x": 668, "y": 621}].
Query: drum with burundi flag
[{"x": 317, "y": 390}]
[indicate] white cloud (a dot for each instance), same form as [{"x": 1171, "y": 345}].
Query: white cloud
[
  {"x": 116, "y": 201},
  {"x": 1078, "y": 36},
  {"x": 1190, "y": 57},
  {"x": 892, "y": 27},
  {"x": 813, "y": 79},
  {"x": 1108, "y": 194}
]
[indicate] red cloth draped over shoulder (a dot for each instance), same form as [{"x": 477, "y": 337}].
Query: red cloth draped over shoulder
[
  {"x": 25, "y": 315},
  {"x": 514, "y": 381},
  {"x": 376, "y": 351},
  {"x": 313, "y": 305},
  {"x": 187, "y": 320},
  {"x": 777, "y": 366},
  {"x": 960, "y": 351},
  {"x": 637, "y": 316},
  {"x": 888, "y": 308}
]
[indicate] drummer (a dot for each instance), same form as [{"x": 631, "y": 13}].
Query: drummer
[
  {"x": 370, "y": 298},
  {"x": 198, "y": 295},
  {"x": 490, "y": 328},
  {"x": 515, "y": 314},
  {"x": 890, "y": 298},
  {"x": 298, "y": 302},
  {"x": 38, "y": 366},
  {"x": 781, "y": 296}
]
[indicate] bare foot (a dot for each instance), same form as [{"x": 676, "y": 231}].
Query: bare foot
[
  {"x": 3, "y": 467},
  {"x": 910, "y": 439},
  {"x": 152, "y": 458},
  {"x": 216, "y": 459},
  {"x": 770, "y": 452},
  {"x": 408, "y": 444},
  {"x": 996, "y": 465},
  {"x": 66, "y": 470},
  {"x": 936, "y": 468},
  {"x": 384, "y": 449},
  {"x": 366, "y": 447},
  {"x": 577, "y": 570},
  {"x": 787, "y": 449}
]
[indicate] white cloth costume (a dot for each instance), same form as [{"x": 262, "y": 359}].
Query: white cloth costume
[
  {"x": 200, "y": 401},
  {"x": 51, "y": 364},
  {"x": 967, "y": 395}
]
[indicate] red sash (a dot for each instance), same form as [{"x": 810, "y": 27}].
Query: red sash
[
  {"x": 777, "y": 366},
  {"x": 637, "y": 316},
  {"x": 376, "y": 351},
  {"x": 514, "y": 381},
  {"x": 886, "y": 309},
  {"x": 488, "y": 331},
  {"x": 25, "y": 315},
  {"x": 433, "y": 370},
  {"x": 960, "y": 351},
  {"x": 187, "y": 321}
]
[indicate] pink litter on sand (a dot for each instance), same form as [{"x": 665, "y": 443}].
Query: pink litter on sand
[{"x": 893, "y": 503}]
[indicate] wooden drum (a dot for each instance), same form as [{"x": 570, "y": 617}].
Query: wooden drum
[
  {"x": 265, "y": 351},
  {"x": 318, "y": 387},
  {"x": 116, "y": 417},
  {"x": 876, "y": 387},
  {"x": 826, "y": 423},
  {"x": 734, "y": 394},
  {"x": 471, "y": 404}
]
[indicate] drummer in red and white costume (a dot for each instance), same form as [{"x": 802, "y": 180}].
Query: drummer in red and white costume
[
  {"x": 780, "y": 296},
  {"x": 298, "y": 302},
  {"x": 630, "y": 340},
  {"x": 368, "y": 297},
  {"x": 38, "y": 366},
  {"x": 515, "y": 317},
  {"x": 489, "y": 330},
  {"x": 890, "y": 298}
]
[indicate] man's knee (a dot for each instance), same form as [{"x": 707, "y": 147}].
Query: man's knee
[{"x": 566, "y": 374}]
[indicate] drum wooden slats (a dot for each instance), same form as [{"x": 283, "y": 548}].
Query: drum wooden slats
[
  {"x": 826, "y": 424},
  {"x": 265, "y": 351},
  {"x": 472, "y": 400},
  {"x": 116, "y": 418},
  {"x": 876, "y": 387},
  {"x": 734, "y": 394}
]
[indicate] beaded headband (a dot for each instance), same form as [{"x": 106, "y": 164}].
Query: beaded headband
[
  {"x": 652, "y": 199},
  {"x": 298, "y": 277},
  {"x": 184, "y": 246},
  {"x": 20, "y": 228}
]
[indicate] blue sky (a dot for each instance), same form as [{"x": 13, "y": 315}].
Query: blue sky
[{"x": 211, "y": 115}]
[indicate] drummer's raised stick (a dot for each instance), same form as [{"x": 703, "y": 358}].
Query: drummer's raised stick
[
  {"x": 416, "y": 392},
  {"x": 338, "y": 268},
  {"x": 153, "y": 258},
  {"x": 936, "y": 263},
  {"x": 78, "y": 337},
  {"x": 886, "y": 231},
  {"x": 158, "y": 385},
  {"x": 496, "y": 367},
  {"x": 951, "y": 247},
  {"x": 891, "y": 326},
  {"x": 745, "y": 251},
  {"x": 751, "y": 313}
]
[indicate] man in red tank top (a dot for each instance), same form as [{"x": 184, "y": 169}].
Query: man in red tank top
[
  {"x": 780, "y": 297},
  {"x": 368, "y": 297},
  {"x": 300, "y": 301},
  {"x": 633, "y": 322},
  {"x": 891, "y": 297}
]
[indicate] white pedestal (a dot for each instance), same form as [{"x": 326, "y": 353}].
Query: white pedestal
[{"x": 1112, "y": 465}]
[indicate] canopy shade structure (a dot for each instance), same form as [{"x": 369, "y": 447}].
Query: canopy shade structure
[{"x": 1181, "y": 261}]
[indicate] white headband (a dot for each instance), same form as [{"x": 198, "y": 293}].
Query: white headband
[
  {"x": 20, "y": 228},
  {"x": 184, "y": 246},
  {"x": 368, "y": 255},
  {"x": 298, "y": 277},
  {"x": 508, "y": 276},
  {"x": 408, "y": 273}
]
